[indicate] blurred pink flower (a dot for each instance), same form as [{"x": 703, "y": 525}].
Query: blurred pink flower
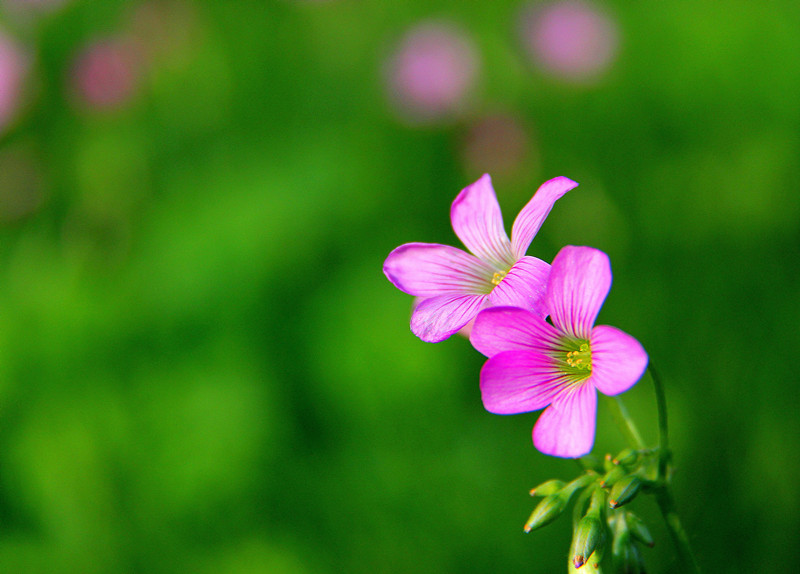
[
  {"x": 432, "y": 72},
  {"x": 22, "y": 189},
  {"x": 496, "y": 143},
  {"x": 560, "y": 365},
  {"x": 33, "y": 5},
  {"x": 106, "y": 74},
  {"x": 13, "y": 70},
  {"x": 571, "y": 39},
  {"x": 455, "y": 285}
]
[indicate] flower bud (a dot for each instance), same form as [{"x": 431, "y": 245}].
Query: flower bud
[
  {"x": 624, "y": 491},
  {"x": 639, "y": 529},
  {"x": 588, "y": 535},
  {"x": 548, "y": 487},
  {"x": 627, "y": 457},
  {"x": 612, "y": 476},
  {"x": 547, "y": 511}
]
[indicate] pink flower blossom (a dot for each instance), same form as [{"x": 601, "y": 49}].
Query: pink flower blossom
[
  {"x": 571, "y": 39},
  {"x": 13, "y": 71},
  {"x": 455, "y": 285},
  {"x": 432, "y": 72},
  {"x": 106, "y": 73},
  {"x": 534, "y": 364}
]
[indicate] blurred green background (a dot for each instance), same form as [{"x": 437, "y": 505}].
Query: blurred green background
[{"x": 203, "y": 368}]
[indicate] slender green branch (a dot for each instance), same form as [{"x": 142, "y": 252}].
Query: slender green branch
[
  {"x": 664, "y": 454},
  {"x": 663, "y": 492},
  {"x": 624, "y": 422}
]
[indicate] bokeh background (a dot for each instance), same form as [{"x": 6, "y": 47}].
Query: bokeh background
[{"x": 202, "y": 366}]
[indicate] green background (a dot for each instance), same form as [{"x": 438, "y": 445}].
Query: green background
[{"x": 203, "y": 368}]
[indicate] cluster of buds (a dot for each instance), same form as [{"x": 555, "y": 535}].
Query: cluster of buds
[{"x": 599, "y": 522}]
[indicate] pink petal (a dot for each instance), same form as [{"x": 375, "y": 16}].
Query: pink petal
[
  {"x": 430, "y": 269},
  {"x": 566, "y": 427},
  {"x": 524, "y": 286},
  {"x": 580, "y": 278},
  {"x": 478, "y": 223},
  {"x": 436, "y": 318},
  {"x": 515, "y": 382},
  {"x": 618, "y": 360},
  {"x": 499, "y": 329},
  {"x": 530, "y": 219}
]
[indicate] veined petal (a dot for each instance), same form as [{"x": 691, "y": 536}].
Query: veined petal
[
  {"x": 580, "y": 278},
  {"x": 478, "y": 222},
  {"x": 566, "y": 427},
  {"x": 430, "y": 269},
  {"x": 499, "y": 329},
  {"x": 618, "y": 360},
  {"x": 530, "y": 219},
  {"x": 524, "y": 286},
  {"x": 436, "y": 318},
  {"x": 515, "y": 382}
]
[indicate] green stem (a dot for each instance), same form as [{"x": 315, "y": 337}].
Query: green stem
[
  {"x": 663, "y": 492},
  {"x": 624, "y": 422},
  {"x": 664, "y": 454}
]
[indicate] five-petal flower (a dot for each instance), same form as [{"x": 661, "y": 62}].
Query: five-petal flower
[
  {"x": 453, "y": 285},
  {"x": 534, "y": 364}
]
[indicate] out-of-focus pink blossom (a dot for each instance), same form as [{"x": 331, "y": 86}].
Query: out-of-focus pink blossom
[
  {"x": 496, "y": 143},
  {"x": 571, "y": 39},
  {"x": 30, "y": 6},
  {"x": 21, "y": 183},
  {"x": 432, "y": 72},
  {"x": 106, "y": 74},
  {"x": 13, "y": 70}
]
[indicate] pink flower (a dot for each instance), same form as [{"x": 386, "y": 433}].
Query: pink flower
[
  {"x": 534, "y": 364},
  {"x": 571, "y": 39},
  {"x": 13, "y": 70},
  {"x": 455, "y": 285},
  {"x": 432, "y": 72},
  {"x": 106, "y": 73}
]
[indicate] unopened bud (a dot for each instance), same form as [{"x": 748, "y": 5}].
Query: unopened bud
[
  {"x": 588, "y": 534},
  {"x": 624, "y": 491},
  {"x": 548, "y": 487},
  {"x": 626, "y": 457},
  {"x": 612, "y": 476},
  {"x": 639, "y": 529},
  {"x": 547, "y": 511}
]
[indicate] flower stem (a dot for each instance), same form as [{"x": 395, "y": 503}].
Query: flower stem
[
  {"x": 624, "y": 422},
  {"x": 663, "y": 490}
]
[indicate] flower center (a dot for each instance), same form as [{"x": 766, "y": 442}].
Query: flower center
[
  {"x": 499, "y": 276},
  {"x": 580, "y": 359}
]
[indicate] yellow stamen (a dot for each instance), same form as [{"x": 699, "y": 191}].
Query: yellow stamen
[
  {"x": 580, "y": 359},
  {"x": 499, "y": 276}
]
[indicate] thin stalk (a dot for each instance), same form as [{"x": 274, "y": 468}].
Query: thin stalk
[
  {"x": 624, "y": 422},
  {"x": 663, "y": 492},
  {"x": 664, "y": 454}
]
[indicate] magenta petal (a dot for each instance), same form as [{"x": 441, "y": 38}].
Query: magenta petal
[
  {"x": 566, "y": 427},
  {"x": 430, "y": 269},
  {"x": 436, "y": 318},
  {"x": 499, "y": 329},
  {"x": 580, "y": 278},
  {"x": 618, "y": 360},
  {"x": 515, "y": 382},
  {"x": 478, "y": 222},
  {"x": 524, "y": 286},
  {"x": 530, "y": 219}
]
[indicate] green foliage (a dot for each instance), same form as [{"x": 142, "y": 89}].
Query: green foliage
[{"x": 203, "y": 369}]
